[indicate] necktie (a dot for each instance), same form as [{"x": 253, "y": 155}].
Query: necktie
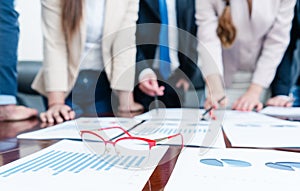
[{"x": 164, "y": 56}]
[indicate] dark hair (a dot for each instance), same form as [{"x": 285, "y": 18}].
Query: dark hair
[
  {"x": 226, "y": 30},
  {"x": 71, "y": 16}
]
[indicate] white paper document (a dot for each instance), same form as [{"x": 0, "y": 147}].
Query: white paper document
[
  {"x": 158, "y": 124},
  {"x": 69, "y": 165},
  {"x": 66, "y": 130},
  {"x": 171, "y": 113},
  {"x": 71, "y": 129},
  {"x": 236, "y": 170},
  {"x": 284, "y": 112},
  {"x": 250, "y": 129},
  {"x": 200, "y": 133},
  {"x": 196, "y": 132}
]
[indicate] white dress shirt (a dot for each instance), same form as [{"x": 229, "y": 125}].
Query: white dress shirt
[
  {"x": 91, "y": 58},
  {"x": 7, "y": 100},
  {"x": 261, "y": 40}
]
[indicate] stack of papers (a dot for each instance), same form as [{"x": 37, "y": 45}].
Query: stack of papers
[{"x": 292, "y": 113}]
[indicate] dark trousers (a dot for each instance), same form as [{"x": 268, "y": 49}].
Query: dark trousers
[{"x": 91, "y": 95}]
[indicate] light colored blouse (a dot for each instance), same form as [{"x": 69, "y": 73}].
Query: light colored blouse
[
  {"x": 91, "y": 58},
  {"x": 61, "y": 63},
  {"x": 261, "y": 40}
]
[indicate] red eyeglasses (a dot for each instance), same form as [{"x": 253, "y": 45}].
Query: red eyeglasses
[{"x": 100, "y": 141}]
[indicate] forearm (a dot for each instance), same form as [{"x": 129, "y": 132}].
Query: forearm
[
  {"x": 255, "y": 89},
  {"x": 215, "y": 85},
  {"x": 55, "y": 98}
]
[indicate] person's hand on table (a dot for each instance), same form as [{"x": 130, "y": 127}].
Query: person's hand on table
[
  {"x": 57, "y": 113},
  {"x": 249, "y": 100},
  {"x": 16, "y": 112},
  {"x": 280, "y": 101}
]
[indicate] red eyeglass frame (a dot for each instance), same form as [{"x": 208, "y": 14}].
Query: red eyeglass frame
[{"x": 151, "y": 142}]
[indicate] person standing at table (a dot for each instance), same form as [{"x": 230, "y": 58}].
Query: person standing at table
[
  {"x": 99, "y": 33},
  {"x": 9, "y": 38},
  {"x": 248, "y": 38},
  {"x": 164, "y": 37},
  {"x": 288, "y": 71}
]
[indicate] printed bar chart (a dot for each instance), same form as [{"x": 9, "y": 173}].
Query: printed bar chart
[
  {"x": 174, "y": 130},
  {"x": 70, "y": 164},
  {"x": 60, "y": 162}
]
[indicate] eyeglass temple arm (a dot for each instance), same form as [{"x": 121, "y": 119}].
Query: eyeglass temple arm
[
  {"x": 168, "y": 137},
  {"x": 127, "y": 132}
]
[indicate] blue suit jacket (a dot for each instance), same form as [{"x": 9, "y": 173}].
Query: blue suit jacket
[
  {"x": 148, "y": 38},
  {"x": 287, "y": 70}
]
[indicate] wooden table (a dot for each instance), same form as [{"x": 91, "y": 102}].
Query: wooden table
[{"x": 12, "y": 149}]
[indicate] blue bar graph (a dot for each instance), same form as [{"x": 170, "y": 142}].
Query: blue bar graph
[
  {"x": 169, "y": 128},
  {"x": 87, "y": 164},
  {"x": 114, "y": 163},
  {"x": 131, "y": 162},
  {"x": 106, "y": 163},
  {"x": 173, "y": 130},
  {"x": 71, "y": 162},
  {"x": 100, "y": 161}
]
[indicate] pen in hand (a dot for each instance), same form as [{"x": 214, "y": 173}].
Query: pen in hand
[{"x": 211, "y": 108}]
